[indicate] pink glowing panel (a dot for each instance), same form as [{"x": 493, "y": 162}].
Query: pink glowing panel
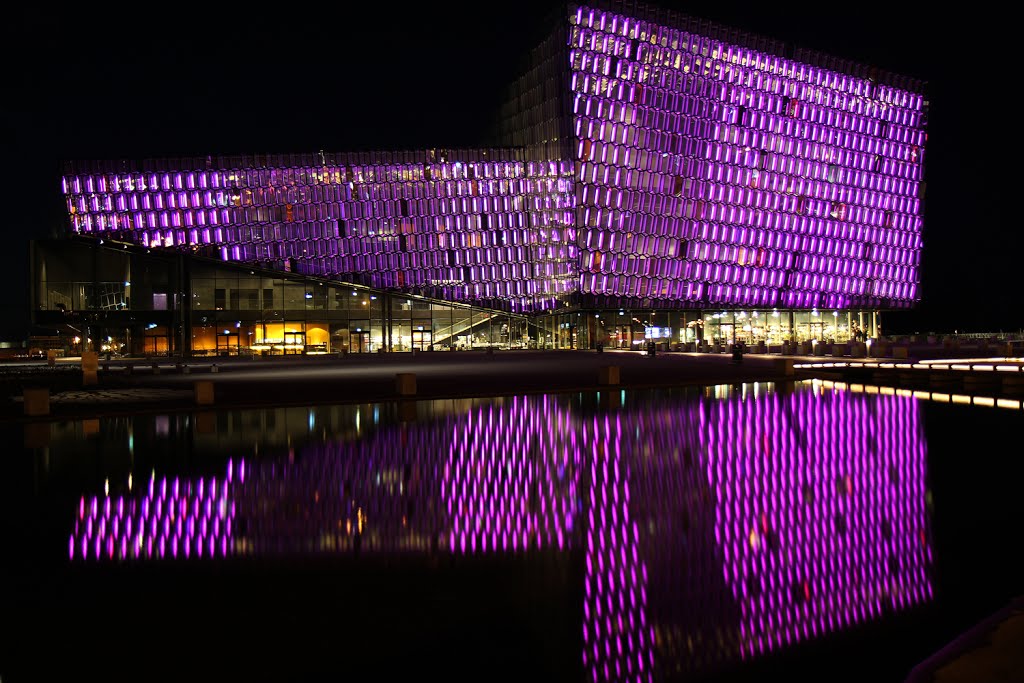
[
  {"x": 510, "y": 481},
  {"x": 671, "y": 138},
  {"x": 187, "y": 515},
  {"x": 820, "y": 511}
]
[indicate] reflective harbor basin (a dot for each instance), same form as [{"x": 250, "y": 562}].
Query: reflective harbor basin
[{"x": 723, "y": 533}]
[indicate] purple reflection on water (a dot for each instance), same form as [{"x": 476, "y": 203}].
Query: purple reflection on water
[
  {"x": 709, "y": 528},
  {"x": 128, "y": 528},
  {"x": 820, "y": 510}
]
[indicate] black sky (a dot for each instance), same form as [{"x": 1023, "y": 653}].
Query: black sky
[{"x": 108, "y": 81}]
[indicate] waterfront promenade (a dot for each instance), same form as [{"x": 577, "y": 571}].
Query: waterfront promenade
[{"x": 134, "y": 385}]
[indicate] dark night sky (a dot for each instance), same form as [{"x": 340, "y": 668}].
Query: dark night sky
[{"x": 107, "y": 81}]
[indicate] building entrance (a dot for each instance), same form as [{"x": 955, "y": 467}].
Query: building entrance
[
  {"x": 359, "y": 342},
  {"x": 421, "y": 340}
]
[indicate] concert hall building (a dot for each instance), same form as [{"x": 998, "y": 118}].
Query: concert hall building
[{"x": 653, "y": 177}]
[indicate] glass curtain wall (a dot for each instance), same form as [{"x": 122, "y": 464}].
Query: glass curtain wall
[{"x": 240, "y": 314}]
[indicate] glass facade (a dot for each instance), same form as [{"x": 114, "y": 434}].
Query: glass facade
[
  {"x": 159, "y": 304},
  {"x": 650, "y": 162}
]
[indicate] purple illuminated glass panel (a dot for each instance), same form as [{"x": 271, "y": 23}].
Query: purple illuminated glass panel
[
  {"x": 674, "y": 167},
  {"x": 473, "y": 226},
  {"x": 711, "y": 173}
]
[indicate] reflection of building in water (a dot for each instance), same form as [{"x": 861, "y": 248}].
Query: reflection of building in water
[
  {"x": 709, "y": 529},
  {"x": 171, "y": 518},
  {"x": 617, "y": 636},
  {"x": 691, "y": 610},
  {"x": 510, "y": 482},
  {"x": 820, "y": 510},
  {"x": 375, "y": 494}
]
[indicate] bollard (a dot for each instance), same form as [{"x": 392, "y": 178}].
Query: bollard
[
  {"x": 37, "y": 401},
  {"x": 90, "y": 360},
  {"x": 608, "y": 375},
  {"x": 90, "y": 365},
  {"x": 186, "y": 369},
  {"x": 213, "y": 368},
  {"x": 51, "y": 357},
  {"x": 405, "y": 383},
  {"x": 131, "y": 369},
  {"x": 202, "y": 390},
  {"x": 156, "y": 369},
  {"x": 737, "y": 353}
]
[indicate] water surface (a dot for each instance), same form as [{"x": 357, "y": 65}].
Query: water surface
[{"x": 723, "y": 533}]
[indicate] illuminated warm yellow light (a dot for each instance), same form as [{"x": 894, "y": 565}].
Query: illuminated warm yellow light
[
  {"x": 870, "y": 389},
  {"x": 859, "y": 388},
  {"x": 1008, "y": 403},
  {"x": 984, "y": 401},
  {"x": 960, "y": 398},
  {"x": 904, "y": 366},
  {"x": 921, "y": 394},
  {"x": 904, "y": 392},
  {"x": 888, "y": 391},
  {"x": 1008, "y": 368},
  {"x": 960, "y": 366},
  {"x": 983, "y": 367},
  {"x": 941, "y": 398}
]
